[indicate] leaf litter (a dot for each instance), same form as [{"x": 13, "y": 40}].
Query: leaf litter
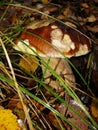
[{"x": 14, "y": 19}]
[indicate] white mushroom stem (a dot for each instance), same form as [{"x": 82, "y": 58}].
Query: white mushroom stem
[{"x": 62, "y": 68}]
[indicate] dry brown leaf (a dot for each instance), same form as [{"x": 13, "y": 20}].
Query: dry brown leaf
[
  {"x": 16, "y": 106},
  {"x": 94, "y": 108},
  {"x": 91, "y": 18},
  {"x": 46, "y": 1},
  {"x": 29, "y": 63},
  {"x": 67, "y": 12},
  {"x": 85, "y": 5},
  {"x": 93, "y": 29},
  {"x": 74, "y": 118}
]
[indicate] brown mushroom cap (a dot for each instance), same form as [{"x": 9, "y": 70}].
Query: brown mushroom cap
[{"x": 54, "y": 40}]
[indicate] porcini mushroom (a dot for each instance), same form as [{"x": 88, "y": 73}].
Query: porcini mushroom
[{"x": 54, "y": 40}]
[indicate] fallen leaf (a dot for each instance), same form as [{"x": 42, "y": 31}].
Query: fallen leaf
[
  {"x": 91, "y": 18},
  {"x": 46, "y": 1},
  {"x": 85, "y": 5},
  {"x": 94, "y": 108},
  {"x": 74, "y": 118},
  {"x": 16, "y": 106},
  {"x": 29, "y": 63}
]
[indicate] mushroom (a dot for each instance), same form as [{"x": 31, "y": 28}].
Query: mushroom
[{"x": 55, "y": 41}]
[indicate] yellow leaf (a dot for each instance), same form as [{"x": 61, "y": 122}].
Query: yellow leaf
[
  {"x": 85, "y": 5},
  {"x": 29, "y": 63},
  {"x": 46, "y": 1},
  {"x": 94, "y": 108}
]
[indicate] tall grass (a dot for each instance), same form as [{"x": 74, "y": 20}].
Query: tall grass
[{"x": 5, "y": 40}]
